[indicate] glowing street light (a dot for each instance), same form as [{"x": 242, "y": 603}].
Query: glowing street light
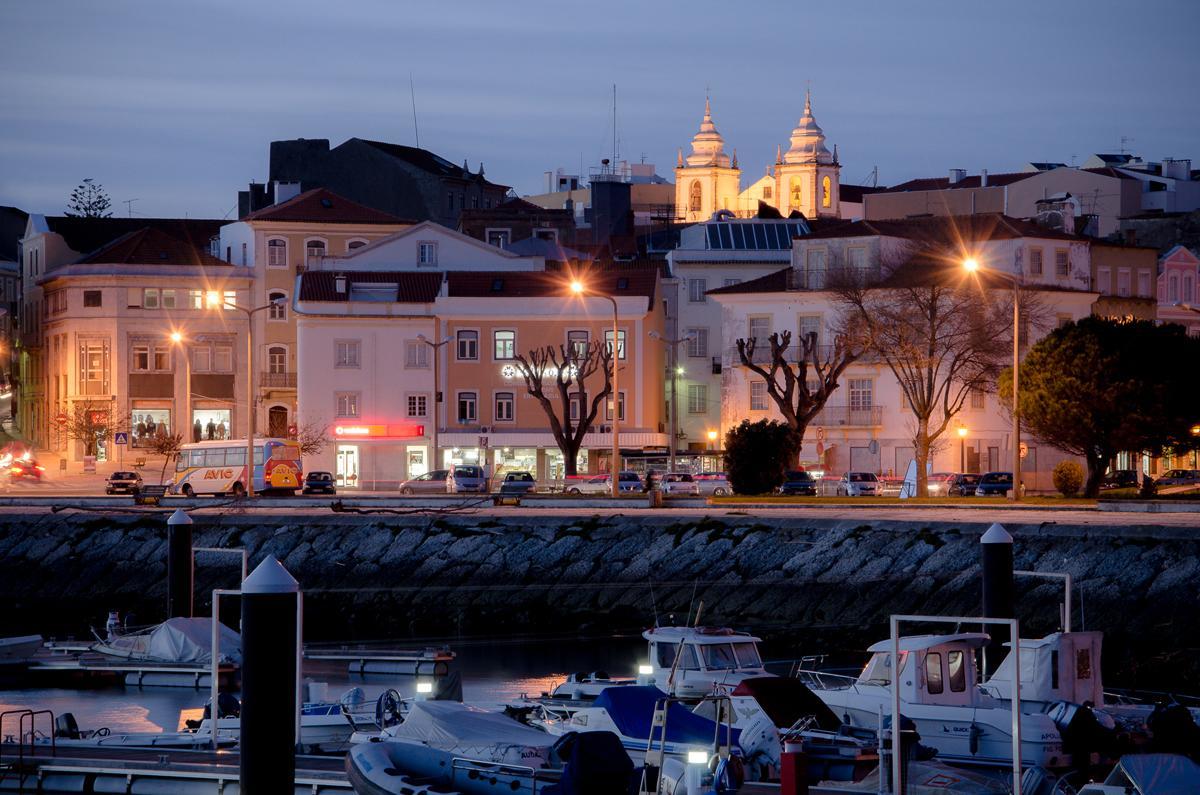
[
  {"x": 971, "y": 264},
  {"x": 580, "y": 289},
  {"x": 183, "y": 422}
]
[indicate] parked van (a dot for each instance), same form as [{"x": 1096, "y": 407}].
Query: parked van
[{"x": 467, "y": 479}]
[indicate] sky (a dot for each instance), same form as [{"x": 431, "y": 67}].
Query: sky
[{"x": 174, "y": 104}]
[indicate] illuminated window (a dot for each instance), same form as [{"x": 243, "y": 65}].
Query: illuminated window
[
  {"x": 505, "y": 345},
  {"x": 694, "y": 202},
  {"x": 347, "y": 404},
  {"x": 826, "y": 192},
  {"x": 608, "y": 411}
]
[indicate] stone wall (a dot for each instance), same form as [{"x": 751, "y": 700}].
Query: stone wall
[{"x": 810, "y": 585}]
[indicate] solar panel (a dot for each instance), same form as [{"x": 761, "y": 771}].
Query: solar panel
[
  {"x": 739, "y": 240},
  {"x": 713, "y": 238},
  {"x": 726, "y": 242}
]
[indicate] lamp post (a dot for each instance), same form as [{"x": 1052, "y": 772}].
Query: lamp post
[
  {"x": 177, "y": 339},
  {"x": 962, "y": 448},
  {"x": 972, "y": 265},
  {"x": 580, "y": 289},
  {"x": 673, "y": 406},
  {"x": 437, "y": 393},
  {"x": 216, "y": 300}
]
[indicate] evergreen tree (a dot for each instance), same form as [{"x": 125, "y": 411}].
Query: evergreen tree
[{"x": 89, "y": 200}]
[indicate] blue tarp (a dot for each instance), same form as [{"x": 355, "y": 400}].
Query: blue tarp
[
  {"x": 1157, "y": 774},
  {"x": 631, "y": 708}
]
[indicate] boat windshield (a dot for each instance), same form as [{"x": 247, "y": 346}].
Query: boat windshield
[
  {"x": 718, "y": 656},
  {"x": 665, "y": 654},
  {"x": 747, "y": 655},
  {"x": 879, "y": 668}
]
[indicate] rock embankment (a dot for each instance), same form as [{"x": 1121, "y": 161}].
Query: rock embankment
[{"x": 420, "y": 576}]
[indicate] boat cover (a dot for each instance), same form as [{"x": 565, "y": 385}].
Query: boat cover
[
  {"x": 787, "y": 700},
  {"x": 474, "y": 733},
  {"x": 176, "y": 640},
  {"x": 1157, "y": 774},
  {"x": 632, "y": 710},
  {"x": 929, "y": 779}
]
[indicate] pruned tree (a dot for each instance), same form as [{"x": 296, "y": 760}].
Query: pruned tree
[
  {"x": 312, "y": 437},
  {"x": 166, "y": 445},
  {"x": 940, "y": 333},
  {"x": 89, "y": 423},
  {"x": 89, "y": 200},
  {"x": 558, "y": 377}
]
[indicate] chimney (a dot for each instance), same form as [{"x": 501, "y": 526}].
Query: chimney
[
  {"x": 983, "y": 178},
  {"x": 1176, "y": 169},
  {"x": 339, "y": 284},
  {"x": 957, "y": 175}
]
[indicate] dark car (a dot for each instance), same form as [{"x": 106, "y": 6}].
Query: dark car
[
  {"x": 319, "y": 483},
  {"x": 994, "y": 484},
  {"x": 518, "y": 483},
  {"x": 123, "y": 483},
  {"x": 962, "y": 485},
  {"x": 1179, "y": 477},
  {"x": 798, "y": 482},
  {"x": 1120, "y": 479}
]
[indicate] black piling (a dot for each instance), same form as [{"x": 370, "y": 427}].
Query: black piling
[
  {"x": 996, "y": 548},
  {"x": 179, "y": 565}
]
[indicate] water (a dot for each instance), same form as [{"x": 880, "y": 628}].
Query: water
[{"x": 492, "y": 673}]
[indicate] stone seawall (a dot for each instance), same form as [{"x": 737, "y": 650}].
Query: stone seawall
[{"x": 809, "y": 581}]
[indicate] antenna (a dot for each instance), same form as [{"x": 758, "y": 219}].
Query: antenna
[
  {"x": 129, "y": 205},
  {"x": 412, "y": 92},
  {"x": 616, "y": 151},
  {"x": 1125, "y": 139}
]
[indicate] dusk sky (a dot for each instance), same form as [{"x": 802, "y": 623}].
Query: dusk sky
[{"x": 174, "y": 104}]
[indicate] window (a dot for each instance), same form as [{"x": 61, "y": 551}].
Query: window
[
  {"x": 276, "y": 360},
  {"x": 417, "y": 405},
  {"x": 697, "y": 346},
  {"x": 697, "y": 395},
  {"x": 229, "y": 299},
  {"x": 195, "y": 299},
  {"x": 826, "y": 192},
  {"x": 815, "y": 262},
  {"x": 576, "y": 406},
  {"x": 767, "y": 192},
  {"x": 1173, "y": 288},
  {"x": 93, "y": 367},
  {"x": 1143, "y": 284},
  {"x": 416, "y": 354},
  {"x": 222, "y": 359},
  {"x": 504, "y": 345},
  {"x": 91, "y": 297},
  {"x": 696, "y": 290},
  {"x": 467, "y": 404},
  {"x": 977, "y": 399},
  {"x": 1123, "y": 284},
  {"x": 577, "y": 342},
  {"x": 168, "y": 299},
  {"x": 243, "y": 255},
  {"x": 809, "y": 324},
  {"x": 933, "y": 673},
  {"x": 276, "y": 253},
  {"x": 427, "y": 253},
  {"x": 856, "y": 257},
  {"x": 861, "y": 393},
  {"x": 347, "y": 353},
  {"x": 150, "y": 298},
  {"x": 758, "y": 396},
  {"x": 1035, "y": 261},
  {"x": 694, "y": 196},
  {"x": 278, "y": 311},
  {"x": 796, "y": 194},
  {"x": 759, "y": 329},
  {"x": 355, "y": 245},
  {"x": 468, "y": 346},
  {"x": 347, "y": 404},
  {"x": 608, "y": 343},
  {"x": 314, "y": 250},
  {"x": 498, "y": 237},
  {"x": 1187, "y": 296},
  {"x": 141, "y": 358},
  {"x": 958, "y": 671},
  {"x": 202, "y": 359},
  {"x": 608, "y": 408},
  {"x": 504, "y": 407},
  {"x": 1060, "y": 262},
  {"x": 730, "y": 282},
  {"x": 1062, "y": 320},
  {"x": 1104, "y": 281}
]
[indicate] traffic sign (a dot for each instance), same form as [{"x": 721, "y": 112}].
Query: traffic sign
[
  {"x": 820, "y": 434},
  {"x": 120, "y": 437}
]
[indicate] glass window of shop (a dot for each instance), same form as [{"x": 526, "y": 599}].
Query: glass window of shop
[
  {"x": 417, "y": 461},
  {"x": 146, "y": 424},
  {"x": 453, "y": 456},
  {"x": 210, "y": 424},
  {"x": 554, "y": 464},
  {"x": 514, "y": 459}
]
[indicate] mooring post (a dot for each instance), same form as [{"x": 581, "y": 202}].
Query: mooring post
[
  {"x": 179, "y": 565},
  {"x": 269, "y": 699},
  {"x": 996, "y": 548}
]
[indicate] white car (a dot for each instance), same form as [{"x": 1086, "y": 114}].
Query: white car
[
  {"x": 858, "y": 484},
  {"x": 679, "y": 483},
  {"x": 601, "y": 484},
  {"x": 713, "y": 483}
]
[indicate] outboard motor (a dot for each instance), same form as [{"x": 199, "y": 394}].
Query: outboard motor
[
  {"x": 1082, "y": 733},
  {"x": 594, "y": 763},
  {"x": 65, "y": 727},
  {"x": 112, "y": 627}
]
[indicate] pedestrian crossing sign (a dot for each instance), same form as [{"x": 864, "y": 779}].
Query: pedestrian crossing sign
[{"x": 120, "y": 437}]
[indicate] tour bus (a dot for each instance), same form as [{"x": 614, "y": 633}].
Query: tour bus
[{"x": 219, "y": 467}]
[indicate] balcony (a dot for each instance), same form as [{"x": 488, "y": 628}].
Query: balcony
[
  {"x": 277, "y": 380},
  {"x": 849, "y": 416}
]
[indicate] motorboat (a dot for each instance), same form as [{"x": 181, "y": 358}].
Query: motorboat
[
  {"x": 181, "y": 641},
  {"x": 939, "y": 692},
  {"x": 325, "y": 726},
  {"x": 15, "y": 651},
  {"x": 1149, "y": 774},
  {"x": 692, "y": 662},
  {"x": 471, "y": 750},
  {"x": 68, "y": 734}
]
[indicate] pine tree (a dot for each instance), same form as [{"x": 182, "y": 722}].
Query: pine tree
[{"x": 89, "y": 200}]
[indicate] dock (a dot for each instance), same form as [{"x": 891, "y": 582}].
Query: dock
[
  {"x": 65, "y": 662},
  {"x": 374, "y": 659}
]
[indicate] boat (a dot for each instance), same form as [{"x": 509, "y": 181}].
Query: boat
[
  {"x": 692, "y": 662},
  {"x": 67, "y": 734},
  {"x": 176, "y": 641},
  {"x": 15, "y": 651},
  {"x": 474, "y": 751},
  {"x": 939, "y": 692},
  {"x": 325, "y": 726},
  {"x": 1149, "y": 774}
]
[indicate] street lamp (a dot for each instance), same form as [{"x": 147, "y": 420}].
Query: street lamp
[
  {"x": 177, "y": 339},
  {"x": 675, "y": 370},
  {"x": 962, "y": 446},
  {"x": 437, "y": 394},
  {"x": 972, "y": 265},
  {"x": 216, "y": 300},
  {"x": 580, "y": 289}
]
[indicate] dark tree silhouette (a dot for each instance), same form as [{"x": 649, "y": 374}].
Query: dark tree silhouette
[{"x": 89, "y": 200}]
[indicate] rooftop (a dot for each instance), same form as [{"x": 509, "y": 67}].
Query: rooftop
[
  {"x": 409, "y": 287},
  {"x": 944, "y": 229},
  {"x": 323, "y": 206},
  {"x": 428, "y": 161},
  {"x": 86, "y": 235},
  {"x": 152, "y": 245},
  {"x": 542, "y": 284}
]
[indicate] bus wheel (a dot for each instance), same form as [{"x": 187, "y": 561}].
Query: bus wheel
[
  {"x": 239, "y": 490},
  {"x": 187, "y": 490}
]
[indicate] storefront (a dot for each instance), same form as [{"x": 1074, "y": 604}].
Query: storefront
[
  {"x": 377, "y": 457},
  {"x": 211, "y": 424},
  {"x": 147, "y": 422}
]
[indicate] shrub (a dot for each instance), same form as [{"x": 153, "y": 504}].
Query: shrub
[
  {"x": 757, "y": 454},
  {"x": 1068, "y": 478}
]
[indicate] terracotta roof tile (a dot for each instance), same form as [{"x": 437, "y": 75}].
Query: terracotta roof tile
[
  {"x": 86, "y": 235},
  {"x": 944, "y": 229},
  {"x": 411, "y": 286},
  {"x": 155, "y": 246},
  {"x": 321, "y": 205},
  {"x": 542, "y": 284}
]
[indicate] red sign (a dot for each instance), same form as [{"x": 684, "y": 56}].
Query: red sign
[{"x": 404, "y": 430}]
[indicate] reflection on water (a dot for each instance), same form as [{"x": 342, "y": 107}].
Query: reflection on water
[{"x": 493, "y": 673}]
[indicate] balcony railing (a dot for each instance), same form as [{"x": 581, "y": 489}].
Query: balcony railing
[
  {"x": 856, "y": 416},
  {"x": 277, "y": 380}
]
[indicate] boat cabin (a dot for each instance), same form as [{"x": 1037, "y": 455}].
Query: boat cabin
[
  {"x": 1064, "y": 666},
  {"x": 713, "y": 653},
  {"x": 944, "y": 666}
]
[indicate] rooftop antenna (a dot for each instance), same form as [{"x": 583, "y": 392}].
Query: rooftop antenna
[
  {"x": 616, "y": 151},
  {"x": 1125, "y": 139},
  {"x": 129, "y": 206},
  {"x": 412, "y": 92}
]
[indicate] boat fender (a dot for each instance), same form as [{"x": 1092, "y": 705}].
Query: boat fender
[{"x": 976, "y": 733}]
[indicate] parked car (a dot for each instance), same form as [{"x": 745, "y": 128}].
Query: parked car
[
  {"x": 939, "y": 484},
  {"x": 714, "y": 483},
  {"x": 858, "y": 484},
  {"x": 683, "y": 483},
  {"x": 319, "y": 483},
  {"x": 518, "y": 483},
  {"x": 467, "y": 479},
  {"x": 962, "y": 485},
  {"x": 430, "y": 483},
  {"x": 22, "y": 468},
  {"x": 1120, "y": 479},
  {"x": 601, "y": 484},
  {"x": 123, "y": 483},
  {"x": 798, "y": 482},
  {"x": 1179, "y": 477},
  {"x": 994, "y": 484}
]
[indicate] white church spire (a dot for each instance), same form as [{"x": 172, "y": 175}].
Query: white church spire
[
  {"x": 808, "y": 139},
  {"x": 708, "y": 147}
]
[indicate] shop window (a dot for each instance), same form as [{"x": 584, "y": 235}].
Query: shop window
[
  {"x": 210, "y": 425},
  {"x": 147, "y": 425}
]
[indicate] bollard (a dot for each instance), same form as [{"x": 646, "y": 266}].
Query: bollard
[
  {"x": 793, "y": 770},
  {"x": 179, "y": 565},
  {"x": 269, "y": 640},
  {"x": 996, "y": 547}
]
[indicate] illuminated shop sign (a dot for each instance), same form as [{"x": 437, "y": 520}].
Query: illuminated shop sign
[{"x": 405, "y": 430}]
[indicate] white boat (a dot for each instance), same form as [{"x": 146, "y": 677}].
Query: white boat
[
  {"x": 939, "y": 692},
  {"x": 1149, "y": 774},
  {"x": 67, "y": 734},
  {"x": 183, "y": 641},
  {"x": 325, "y": 726},
  {"x": 692, "y": 662},
  {"x": 14, "y": 651}
]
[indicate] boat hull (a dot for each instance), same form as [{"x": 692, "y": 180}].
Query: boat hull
[{"x": 397, "y": 768}]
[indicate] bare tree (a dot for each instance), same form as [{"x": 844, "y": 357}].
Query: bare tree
[
  {"x": 166, "y": 445},
  {"x": 941, "y": 335},
  {"x": 89, "y": 423},
  {"x": 312, "y": 437},
  {"x": 562, "y": 373}
]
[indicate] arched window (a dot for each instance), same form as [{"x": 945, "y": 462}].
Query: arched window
[
  {"x": 694, "y": 203},
  {"x": 795, "y": 191},
  {"x": 355, "y": 244},
  {"x": 278, "y": 311},
  {"x": 277, "y": 421},
  {"x": 315, "y": 249},
  {"x": 277, "y": 253},
  {"x": 276, "y": 359},
  {"x": 826, "y": 192}
]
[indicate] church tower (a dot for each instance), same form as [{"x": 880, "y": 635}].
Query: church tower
[
  {"x": 706, "y": 180},
  {"x": 806, "y": 175}
]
